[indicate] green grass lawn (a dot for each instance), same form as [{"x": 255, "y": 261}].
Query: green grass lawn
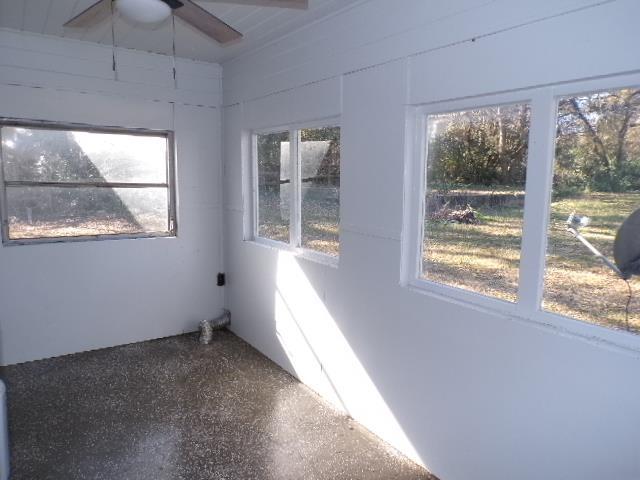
[
  {"x": 320, "y": 221},
  {"x": 485, "y": 258}
]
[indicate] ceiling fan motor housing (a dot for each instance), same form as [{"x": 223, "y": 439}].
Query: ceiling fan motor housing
[{"x": 144, "y": 11}]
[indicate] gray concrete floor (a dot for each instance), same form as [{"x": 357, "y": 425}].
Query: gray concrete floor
[{"x": 174, "y": 409}]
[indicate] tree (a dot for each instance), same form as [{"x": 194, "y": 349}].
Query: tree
[
  {"x": 597, "y": 141},
  {"x": 45, "y": 155},
  {"x": 487, "y": 146},
  {"x": 271, "y": 174}
]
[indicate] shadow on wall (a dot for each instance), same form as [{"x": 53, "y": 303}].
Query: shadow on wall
[{"x": 323, "y": 358}]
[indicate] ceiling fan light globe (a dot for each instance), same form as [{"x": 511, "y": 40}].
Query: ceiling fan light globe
[{"x": 144, "y": 11}]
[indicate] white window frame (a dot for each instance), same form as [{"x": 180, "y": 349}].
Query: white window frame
[
  {"x": 539, "y": 185},
  {"x": 170, "y": 184},
  {"x": 295, "y": 208}
]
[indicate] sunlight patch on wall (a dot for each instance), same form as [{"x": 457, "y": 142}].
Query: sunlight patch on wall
[{"x": 323, "y": 359}]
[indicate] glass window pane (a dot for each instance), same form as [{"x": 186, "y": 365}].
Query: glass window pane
[
  {"x": 47, "y": 212},
  {"x": 476, "y": 167},
  {"x": 597, "y": 175},
  {"x": 320, "y": 191},
  {"x": 34, "y": 154},
  {"x": 274, "y": 186}
]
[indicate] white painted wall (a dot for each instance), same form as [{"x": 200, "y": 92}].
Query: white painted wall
[
  {"x": 469, "y": 393},
  {"x": 68, "y": 297}
]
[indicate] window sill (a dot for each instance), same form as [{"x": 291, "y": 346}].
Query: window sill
[
  {"x": 84, "y": 238},
  {"x": 462, "y": 296},
  {"x": 302, "y": 253},
  {"x": 618, "y": 340}
]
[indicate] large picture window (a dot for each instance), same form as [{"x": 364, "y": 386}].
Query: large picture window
[
  {"x": 298, "y": 188},
  {"x": 63, "y": 183},
  {"x": 572, "y": 250}
]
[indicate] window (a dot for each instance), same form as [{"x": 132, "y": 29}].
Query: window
[
  {"x": 80, "y": 183},
  {"x": 274, "y": 186},
  {"x": 474, "y": 199},
  {"x": 467, "y": 234},
  {"x": 320, "y": 191},
  {"x": 298, "y": 202},
  {"x": 596, "y": 175}
]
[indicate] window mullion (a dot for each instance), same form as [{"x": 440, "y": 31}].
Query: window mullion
[
  {"x": 295, "y": 214},
  {"x": 415, "y": 178},
  {"x": 4, "y": 217},
  {"x": 171, "y": 183},
  {"x": 255, "y": 192},
  {"x": 537, "y": 201}
]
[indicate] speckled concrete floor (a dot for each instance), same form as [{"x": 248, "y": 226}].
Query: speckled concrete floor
[{"x": 173, "y": 409}]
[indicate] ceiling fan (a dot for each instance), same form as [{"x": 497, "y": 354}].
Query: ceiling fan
[{"x": 155, "y": 11}]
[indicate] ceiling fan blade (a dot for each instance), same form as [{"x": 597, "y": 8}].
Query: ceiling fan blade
[
  {"x": 300, "y": 4},
  {"x": 207, "y": 23},
  {"x": 92, "y": 15}
]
